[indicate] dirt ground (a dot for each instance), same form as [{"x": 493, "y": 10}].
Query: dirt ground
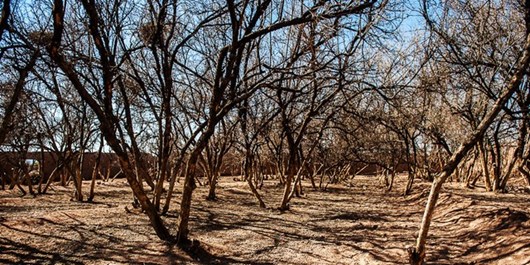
[{"x": 361, "y": 224}]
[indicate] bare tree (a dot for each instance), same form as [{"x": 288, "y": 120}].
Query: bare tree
[
  {"x": 417, "y": 254},
  {"x": 108, "y": 92}
]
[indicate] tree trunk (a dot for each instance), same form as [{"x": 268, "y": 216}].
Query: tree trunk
[
  {"x": 297, "y": 186},
  {"x": 312, "y": 174},
  {"x": 93, "y": 183},
  {"x": 212, "y": 185},
  {"x": 284, "y": 205},
  {"x": 417, "y": 254},
  {"x": 172, "y": 181},
  {"x": 495, "y": 151},
  {"x": 54, "y": 173},
  {"x": 159, "y": 188},
  {"x": 484, "y": 164},
  {"x": 79, "y": 177},
  {"x": 215, "y": 170},
  {"x": 95, "y": 171},
  {"x": 508, "y": 173},
  {"x": 256, "y": 193},
  {"x": 391, "y": 182},
  {"x": 189, "y": 180},
  {"x": 148, "y": 207},
  {"x": 185, "y": 205}
]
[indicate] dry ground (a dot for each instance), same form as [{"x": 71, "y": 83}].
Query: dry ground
[{"x": 361, "y": 224}]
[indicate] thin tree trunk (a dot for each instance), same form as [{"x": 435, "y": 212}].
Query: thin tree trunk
[
  {"x": 166, "y": 150},
  {"x": 79, "y": 176},
  {"x": 160, "y": 183},
  {"x": 484, "y": 164},
  {"x": 185, "y": 205},
  {"x": 297, "y": 179},
  {"x": 508, "y": 173},
  {"x": 51, "y": 178},
  {"x": 391, "y": 182},
  {"x": 212, "y": 183},
  {"x": 312, "y": 174},
  {"x": 215, "y": 172},
  {"x": 95, "y": 171},
  {"x": 284, "y": 205},
  {"x": 172, "y": 181},
  {"x": 249, "y": 176}
]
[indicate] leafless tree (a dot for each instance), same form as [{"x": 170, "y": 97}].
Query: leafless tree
[
  {"x": 511, "y": 85},
  {"x": 237, "y": 61}
]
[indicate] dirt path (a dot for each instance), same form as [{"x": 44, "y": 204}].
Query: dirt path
[{"x": 345, "y": 225}]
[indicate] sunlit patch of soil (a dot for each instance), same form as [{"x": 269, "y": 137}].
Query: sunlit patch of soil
[{"x": 361, "y": 224}]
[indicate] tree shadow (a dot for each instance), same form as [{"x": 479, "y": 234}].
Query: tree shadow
[
  {"x": 85, "y": 244},
  {"x": 492, "y": 237},
  {"x": 200, "y": 253}
]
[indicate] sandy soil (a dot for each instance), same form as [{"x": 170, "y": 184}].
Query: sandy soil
[{"x": 361, "y": 224}]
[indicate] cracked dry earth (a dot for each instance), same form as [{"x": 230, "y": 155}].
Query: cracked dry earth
[{"x": 361, "y": 224}]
